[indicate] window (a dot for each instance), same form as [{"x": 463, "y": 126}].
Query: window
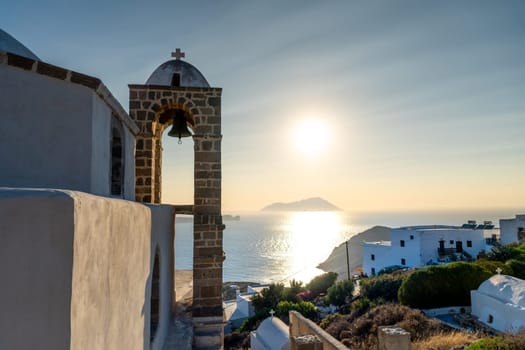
[
  {"x": 411, "y": 236},
  {"x": 175, "y": 79},
  {"x": 490, "y": 319},
  {"x": 373, "y": 271},
  {"x": 451, "y": 241},
  {"x": 403, "y": 261},
  {"x": 402, "y": 243},
  {"x": 469, "y": 244},
  {"x": 372, "y": 257},
  {"x": 117, "y": 160}
]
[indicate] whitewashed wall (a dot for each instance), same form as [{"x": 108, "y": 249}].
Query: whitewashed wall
[
  {"x": 56, "y": 134},
  {"x": 76, "y": 270}
]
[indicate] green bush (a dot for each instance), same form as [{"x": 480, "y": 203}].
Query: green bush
[
  {"x": 517, "y": 267},
  {"x": 390, "y": 269},
  {"x": 383, "y": 286},
  {"x": 338, "y": 292},
  {"x": 492, "y": 266},
  {"x": 305, "y": 308},
  {"x": 505, "y": 342},
  {"x": 441, "y": 286},
  {"x": 268, "y": 298},
  {"x": 505, "y": 252},
  {"x": 321, "y": 283}
]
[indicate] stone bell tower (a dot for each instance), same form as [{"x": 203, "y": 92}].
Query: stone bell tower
[{"x": 178, "y": 88}]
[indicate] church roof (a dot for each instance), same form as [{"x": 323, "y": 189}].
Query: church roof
[
  {"x": 10, "y": 44},
  {"x": 188, "y": 74},
  {"x": 273, "y": 333},
  {"x": 507, "y": 289}
]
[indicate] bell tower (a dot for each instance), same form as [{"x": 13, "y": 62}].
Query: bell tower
[{"x": 177, "y": 94}]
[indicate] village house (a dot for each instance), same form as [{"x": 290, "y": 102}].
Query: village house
[
  {"x": 238, "y": 310},
  {"x": 86, "y": 247},
  {"x": 512, "y": 230},
  {"x": 418, "y": 246}
]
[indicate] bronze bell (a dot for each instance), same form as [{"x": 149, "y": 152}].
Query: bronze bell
[{"x": 180, "y": 126}]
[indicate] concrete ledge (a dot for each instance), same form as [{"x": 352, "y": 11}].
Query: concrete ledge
[{"x": 300, "y": 325}]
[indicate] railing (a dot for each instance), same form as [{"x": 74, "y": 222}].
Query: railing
[{"x": 447, "y": 251}]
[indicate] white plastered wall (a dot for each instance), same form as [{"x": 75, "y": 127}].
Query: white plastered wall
[{"x": 76, "y": 270}]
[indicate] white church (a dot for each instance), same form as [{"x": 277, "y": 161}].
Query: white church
[
  {"x": 499, "y": 302},
  {"x": 86, "y": 247}
]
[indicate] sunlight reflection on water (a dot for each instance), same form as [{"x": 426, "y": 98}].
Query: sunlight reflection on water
[
  {"x": 273, "y": 247},
  {"x": 279, "y": 247}
]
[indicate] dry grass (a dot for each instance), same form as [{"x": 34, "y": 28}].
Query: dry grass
[{"x": 446, "y": 341}]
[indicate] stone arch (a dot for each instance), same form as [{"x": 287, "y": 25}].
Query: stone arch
[
  {"x": 155, "y": 295},
  {"x": 162, "y": 122},
  {"x": 147, "y": 103}
]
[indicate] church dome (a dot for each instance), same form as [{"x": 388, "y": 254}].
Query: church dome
[
  {"x": 177, "y": 73},
  {"x": 505, "y": 288},
  {"x": 274, "y": 334},
  {"x": 11, "y": 45}
]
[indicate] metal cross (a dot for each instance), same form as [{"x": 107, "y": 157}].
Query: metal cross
[
  {"x": 498, "y": 270},
  {"x": 178, "y": 54},
  {"x": 271, "y": 313}
]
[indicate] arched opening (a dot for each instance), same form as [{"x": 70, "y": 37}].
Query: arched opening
[
  {"x": 117, "y": 160},
  {"x": 155, "y": 296},
  {"x": 177, "y": 183}
]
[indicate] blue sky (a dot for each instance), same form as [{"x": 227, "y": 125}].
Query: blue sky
[{"x": 423, "y": 102}]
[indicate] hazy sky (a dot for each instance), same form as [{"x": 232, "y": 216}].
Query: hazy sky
[{"x": 414, "y": 104}]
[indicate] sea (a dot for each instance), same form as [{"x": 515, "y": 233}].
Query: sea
[{"x": 277, "y": 247}]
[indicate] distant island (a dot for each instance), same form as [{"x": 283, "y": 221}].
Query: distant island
[{"x": 309, "y": 204}]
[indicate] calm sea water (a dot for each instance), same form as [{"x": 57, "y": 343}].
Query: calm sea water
[{"x": 278, "y": 247}]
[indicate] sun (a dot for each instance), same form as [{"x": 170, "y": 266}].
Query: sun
[{"x": 311, "y": 137}]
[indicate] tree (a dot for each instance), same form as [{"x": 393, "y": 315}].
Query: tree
[
  {"x": 268, "y": 298},
  {"x": 321, "y": 283},
  {"x": 440, "y": 286},
  {"x": 383, "y": 286},
  {"x": 338, "y": 293}
]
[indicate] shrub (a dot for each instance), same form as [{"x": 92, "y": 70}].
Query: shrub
[
  {"x": 504, "y": 252},
  {"x": 338, "y": 292},
  {"x": 321, "y": 283},
  {"x": 362, "y": 305},
  {"x": 268, "y": 298},
  {"x": 384, "y": 286},
  {"x": 492, "y": 266},
  {"x": 446, "y": 341},
  {"x": 505, "y": 342},
  {"x": 363, "y": 329},
  {"x": 305, "y": 308},
  {"x": 441, "y": 286},
  {"x": 518, "y": 268},
  {"x": 329, "y": 320},
  {"x": 390, "y": 269}
]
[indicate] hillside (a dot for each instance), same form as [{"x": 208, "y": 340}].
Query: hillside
[
  {"x": 309, "y": 204},
  {"x": 336, "y": 262}
]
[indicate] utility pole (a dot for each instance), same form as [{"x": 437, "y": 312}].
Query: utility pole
[{"x": 347, "y": 261}]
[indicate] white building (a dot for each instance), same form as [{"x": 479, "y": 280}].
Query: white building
[
  {"x": 499, "y": 302},
  {"x": 512, "y": 230},
  {"x": 272, "y": 334},
  {"x": 425, "y": 245},
  {"x": 83, "y": 263},
  {"x": 240, "y": 309}
]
